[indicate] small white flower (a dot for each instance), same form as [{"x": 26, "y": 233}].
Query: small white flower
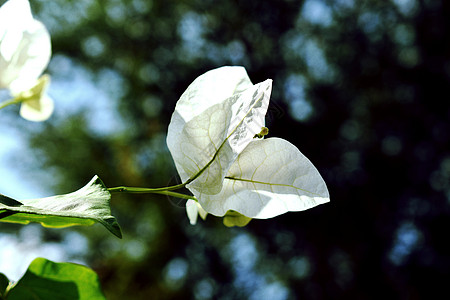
[
  {"x": 25, "y": 51},
  {"x": 212, "y": 140},
  {"x": 193, "y": 209}
]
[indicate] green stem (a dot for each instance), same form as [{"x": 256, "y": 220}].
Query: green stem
[
  {"x": 164, "y": 191},
  {"x": 10, "y": 102},
  {"x": 127, "y": 189}
]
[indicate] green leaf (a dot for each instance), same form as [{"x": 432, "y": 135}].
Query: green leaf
[
  {"x": 86, "y": 206},
  {"x": 4, "y": 282},
  {"x": 45, "y": 280}
]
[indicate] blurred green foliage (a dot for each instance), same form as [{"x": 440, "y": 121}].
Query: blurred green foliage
[{"x": 360, "y": 87}]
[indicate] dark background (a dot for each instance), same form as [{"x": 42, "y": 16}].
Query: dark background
[{"x": 360, "y": 87}]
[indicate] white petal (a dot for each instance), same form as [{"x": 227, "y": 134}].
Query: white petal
[
  {"x": 211, "y": 88},
  {"x": 270, "y": 177},
  {"x": 37, "y": 110},
  {"x": 25, "y": 47},
  {"x": 31, "y": 58},
  {"x": 201, "y": 211},
  {"x": 36, "y": 104},
  {"x": 192, "y": 211},
  {"x": 212, "y": 139},
  {"x": 15, "y": 16}
]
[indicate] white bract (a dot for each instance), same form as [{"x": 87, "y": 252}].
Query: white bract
[
  {"x": 193, "y": 209},
  {"x": 25, "y": 51},
  {"x": 212, "y": 140}
]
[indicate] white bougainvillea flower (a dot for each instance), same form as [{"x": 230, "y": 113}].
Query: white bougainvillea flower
[
  {"x": 25, "y": 51},
  {"x": 211, "y": 138},
  {"x": 193, "y": 209}
]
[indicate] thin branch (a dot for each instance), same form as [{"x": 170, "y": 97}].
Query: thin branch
[
  {"x": 10, "y": 102},
  {"x": 163, "y": 191}
]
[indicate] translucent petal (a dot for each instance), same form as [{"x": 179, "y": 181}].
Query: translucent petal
[
  {"x": 37, "y": 110},
  {"x": 15, "y": 15},
  {"x": 193, "y": 209},
  {"x": 206, "y": 135},
  {"x": 269, "y": 178},
  {"x": 37, "y": 105},
  {"x": 29, "y": 61},
  {"x": 25, "y": 46},
  {"x": 211, "y": 88}
]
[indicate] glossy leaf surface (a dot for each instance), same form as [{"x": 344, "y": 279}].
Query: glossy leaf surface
[{"x": 45, "y": 279}]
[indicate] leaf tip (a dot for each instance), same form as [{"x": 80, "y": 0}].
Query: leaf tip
[{"x": 113, "y": 226}]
